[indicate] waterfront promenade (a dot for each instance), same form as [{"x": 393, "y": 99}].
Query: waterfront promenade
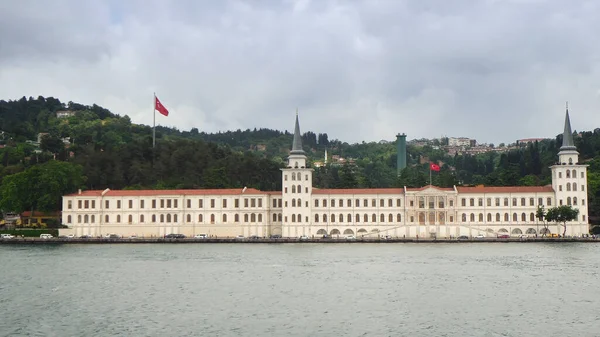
[{"x": 29, "y": 240}]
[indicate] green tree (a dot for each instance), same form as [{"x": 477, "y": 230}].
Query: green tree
[
  {"x": 40, "y": 187},
  {"x": 562, "y": 214},
  {"x": 541, "y": 215}
]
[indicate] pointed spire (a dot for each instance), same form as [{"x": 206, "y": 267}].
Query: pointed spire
[
  {"x": 567, "y": 142},
  {"x": 297, "y": 144}
]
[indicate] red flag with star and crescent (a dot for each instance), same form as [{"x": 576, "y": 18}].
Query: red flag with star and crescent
[
  {"x": 161, "y": 108},
  {"x": 434, "y": 167}
]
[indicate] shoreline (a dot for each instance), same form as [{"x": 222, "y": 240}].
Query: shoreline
[{"x": 24, "y": 241}]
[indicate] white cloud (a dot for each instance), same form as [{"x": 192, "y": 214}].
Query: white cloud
[{"x": 492, "y": 70}]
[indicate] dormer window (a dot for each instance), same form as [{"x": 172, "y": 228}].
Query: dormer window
[{"x": 295, "y": 164}]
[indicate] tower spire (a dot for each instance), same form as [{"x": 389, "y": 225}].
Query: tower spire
[
  {"x": 567, "y": 141},
  {"x": 297, "y": 144}
]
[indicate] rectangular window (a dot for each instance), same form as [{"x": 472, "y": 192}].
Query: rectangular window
[
  {"x": 332, "y": 202},
  {"x": 441, "y": 203},
  {"x": 275, "y": 203},
  {"x": 175, "y": 203},
  {"x": 431, "y": 202},
  {"x": 412, "y": 204},
  {"x": 87, "y": 204},
  {"x": 70, "y": 204},
  {"x": 245, "y": 202},
  {"x": 540, "y": 201},
  {"x": 236, "y": 203},
  {"x": 79, "y": 204},
  {"x": 106, "y": 204},
  {"x": 421, "y": 202},
  {"x": 497, "y": 201},
  {"x": 279, "y": 203},
  {"x": 463, "y": 202},
  {"x": 130, "y": 203},
  {"x": 153, "y": 203},
  {"x": 549, "y": 202},
  {"x": 93, "y": 203},
  {"x": 224, "y": 203},
  {"x": 451, "y": 203},
  {"x": 119, "y": 204},
  {"x": 489, "y": 202},
  {"x": 212, "y": 203},
  {"x": 253, "y": 202},
  {"x": 168, "y": 203},
  {"x": 141, "y": 203},
  {"x": 200, "y": 203},
  {"x": 162, "y": 203},
  {"x": 260, "y": 203},
  {"x": 189, "y": 203}
]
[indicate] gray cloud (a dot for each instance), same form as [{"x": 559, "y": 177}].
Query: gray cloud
[{"x": 492, "y": 70}]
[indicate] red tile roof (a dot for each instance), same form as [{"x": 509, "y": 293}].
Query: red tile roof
[
  {"x": 505, "y": 189},
  {"x": 358, "y": 191},
  {"x": 140, "y": 193}
]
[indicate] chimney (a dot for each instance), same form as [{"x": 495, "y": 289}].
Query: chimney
[
  {"x": 79, "y": 191},
  {"x": 244, "y": 189}
]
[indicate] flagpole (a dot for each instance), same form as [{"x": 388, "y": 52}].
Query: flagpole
[{"x": 154, "y": 123}]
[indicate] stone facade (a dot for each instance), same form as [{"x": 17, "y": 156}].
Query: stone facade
[{"x": 301, "y": 209}]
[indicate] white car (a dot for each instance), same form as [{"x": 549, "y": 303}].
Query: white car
[
  {"x": 46, "y": 236},
  {"x": 350, "y": 237},
  {"x": 303, "y": 238},
  {"x": 200, "y": 236},
  {"x": 240, "y": 237},
  {"x": 6, "y": 236},
  {"x": 480, "y": 236}
]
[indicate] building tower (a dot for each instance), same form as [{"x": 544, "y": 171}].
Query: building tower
[
  {"x": 325, "y": 162},
  {"x": 296, "y": 190},
  {"x": 569, "y": 181},
  {"x": 401, "y": 152}
]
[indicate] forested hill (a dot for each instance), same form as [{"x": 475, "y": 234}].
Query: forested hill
[{"x": 95, "y": 149}]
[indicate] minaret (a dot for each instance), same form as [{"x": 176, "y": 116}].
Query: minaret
[
  {"x": 569, "y": 181},
  {"x": 297, "y": 190},
  {"x": 325, "y": 163}
]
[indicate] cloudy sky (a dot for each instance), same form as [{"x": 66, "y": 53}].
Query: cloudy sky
[{"x": 494, "y": 70}]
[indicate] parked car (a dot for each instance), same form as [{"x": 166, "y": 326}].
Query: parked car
[
  {"x": 480, "y": 236},
  {"x": 86, "y": 236},
  {"x": 175, "y": 236},
  {"x": 303, "y": 238},
  {"x": 503, "y": 236},
  {"x": 239, "y": 237},
  {"x": 275, "y": 236},
  {"x": 46, "y": 236},
  {"x": 6, "y": 236},
  {"x": 463, "y": 237},
  {"x": 200, "y": 236},
  {"x": 350, "y": 238}
]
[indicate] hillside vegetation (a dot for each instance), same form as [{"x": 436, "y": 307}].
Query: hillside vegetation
[{"x": 96, "y": 149}]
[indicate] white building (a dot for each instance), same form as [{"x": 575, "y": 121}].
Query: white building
[{"x": 301, "y": 209}]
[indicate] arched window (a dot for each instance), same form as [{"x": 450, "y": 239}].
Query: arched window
[
  {"x": 299, "y": 202},
  {"x": 497, "y": 217},
  {"x": 515, "y": 218},
  {"x": 293, "y": 202},
  {"x": 575, "y": 187},
  {"x": 212, "y": 218},
  {"x": 279, "y": 217},
  {"x": 522, "y": 201},
  {"x": 480, "y": 217},
  {"x": 574, "y": 174},
  {"x": 224, "y": 218},
  {"x": 68, "y": 219},
  {"x": 130, "y": 218},
  {"x": 253, "y": 217},
  {"x": 293, "y": 176},
  {"x": 274, "y": 217},
  {"x": 366, "y": 217},
  {"x": 568, "y": 200},
  {"x": 349, "y": 217},
  {"x": 472, "y": 217},
  {"x": 188, "y": 218},
  {"x": 568, "y": 174},
  {"x": 514, "y": 201},
  {"x": 79, "y": 218},
  {"x": 118, "y": 218},
  {"x": 341, "y": 218},
  {"x": 357, "y": 218},
  {"x": 531, "y": 217},
  {"x": 168, "y": 217},
  {"x": 332, "y": 217},
  {"x": 153, "y": 218},
  {"x": 523, "y": 217},
  {"x": 324, "y": 217},
  {"x": 199, "y": 217},
  {"x": 86, "y": 219},
  {"x": 374, "y": 218},
  {"x": 568, "y": 185},
  {"x": 106, "y": 219},
  {"x": 299, "y": 188},
  {"x": 399, "y": 217},
  {"x": 174, "y": 217},
  {"x": 293, "y": 188},
  {"x": 505, "y": 216},
  {"x": 464, "y": 217},
  {"x": 142, "y": 218},
  {"x": 260, "y": 217},
  {"x": 381, "y": 218},
  {"x": 575, "y": 201},
  {"x": 93, "y": 218},
  {"x": 489, "y": 217},
  {"x": 162, "y": 218},
  {"x": 391, "y": 218},
  {"x": 505, "y": 201},
  {"x": 316, "y": 217}
]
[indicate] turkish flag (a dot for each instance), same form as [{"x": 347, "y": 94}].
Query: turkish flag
[
  {"x": 434, "y": 167},
  {"x": 161, "y": 108}
]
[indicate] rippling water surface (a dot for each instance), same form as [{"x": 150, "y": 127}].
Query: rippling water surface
[{"x": 502, "y": 289}]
